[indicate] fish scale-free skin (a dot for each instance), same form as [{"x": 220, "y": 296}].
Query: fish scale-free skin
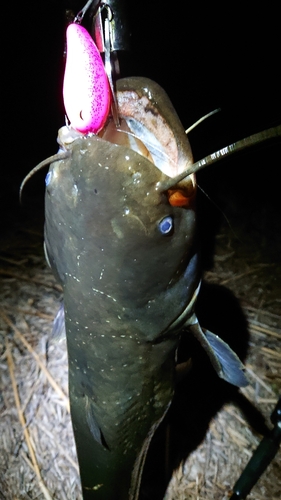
[{"x": 124, "y": 284}]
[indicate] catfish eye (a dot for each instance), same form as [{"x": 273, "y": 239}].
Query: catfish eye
[
  {"x": 48, "y": 178},
  {"x": 166, "y": 225}
]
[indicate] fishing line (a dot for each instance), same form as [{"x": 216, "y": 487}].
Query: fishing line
[{"x": 220, "y": 210}]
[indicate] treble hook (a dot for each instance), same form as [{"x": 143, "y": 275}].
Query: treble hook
[{"x": 79, "y": 17}]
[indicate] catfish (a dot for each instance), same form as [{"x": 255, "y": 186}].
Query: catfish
[{"x": 120, "y": 237}]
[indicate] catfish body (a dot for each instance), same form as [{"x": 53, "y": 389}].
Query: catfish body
[{"x": 127, "y": 260}]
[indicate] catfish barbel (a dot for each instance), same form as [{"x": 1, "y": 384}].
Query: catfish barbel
[{"x": 120, "y": 236}]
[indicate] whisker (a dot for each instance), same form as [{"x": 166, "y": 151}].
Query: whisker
[
  {"x": 270, "y": 133},
  {"x": 201, "y": 120},
  {"x": 44, "y": 163}
]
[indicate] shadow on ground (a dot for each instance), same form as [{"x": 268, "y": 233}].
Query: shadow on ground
[{"x": 201, "y": 394}]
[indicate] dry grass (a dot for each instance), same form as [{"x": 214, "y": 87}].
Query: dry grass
[{"x": 37, "y": 451}]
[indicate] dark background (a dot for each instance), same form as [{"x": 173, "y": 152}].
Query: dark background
[{"x": 203, "y": 56}]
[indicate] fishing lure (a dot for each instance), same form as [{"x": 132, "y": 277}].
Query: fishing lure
[{"x": 86, "y": 90}]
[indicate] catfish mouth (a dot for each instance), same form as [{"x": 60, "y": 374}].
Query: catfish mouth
[
  {"x": 149, "y": 126},
  {"x": 155, "y": 141},
  {"x": 146, "y": 124},
  {"x": 144, "y": 130},
  {"x": 134, "y": 135}
]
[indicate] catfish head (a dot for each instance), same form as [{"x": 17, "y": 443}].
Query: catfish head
[
  {"x": 125, "y": 253},
  {"x": 138, "y": 245}
]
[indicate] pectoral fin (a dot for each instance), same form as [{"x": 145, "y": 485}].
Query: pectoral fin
[
  {"x": 224, "y": 360},
  {"x": 93, "y": 425}
]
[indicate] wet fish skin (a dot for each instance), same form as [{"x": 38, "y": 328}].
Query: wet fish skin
[
  {"x": 124, "y": 249},
  {"x": 124, "y": 284}
]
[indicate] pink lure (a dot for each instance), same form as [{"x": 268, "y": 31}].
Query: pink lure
[{"x": 86, "y": 91}]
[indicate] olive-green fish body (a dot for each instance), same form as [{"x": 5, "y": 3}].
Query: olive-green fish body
[{"x": 126, "y": 258}]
